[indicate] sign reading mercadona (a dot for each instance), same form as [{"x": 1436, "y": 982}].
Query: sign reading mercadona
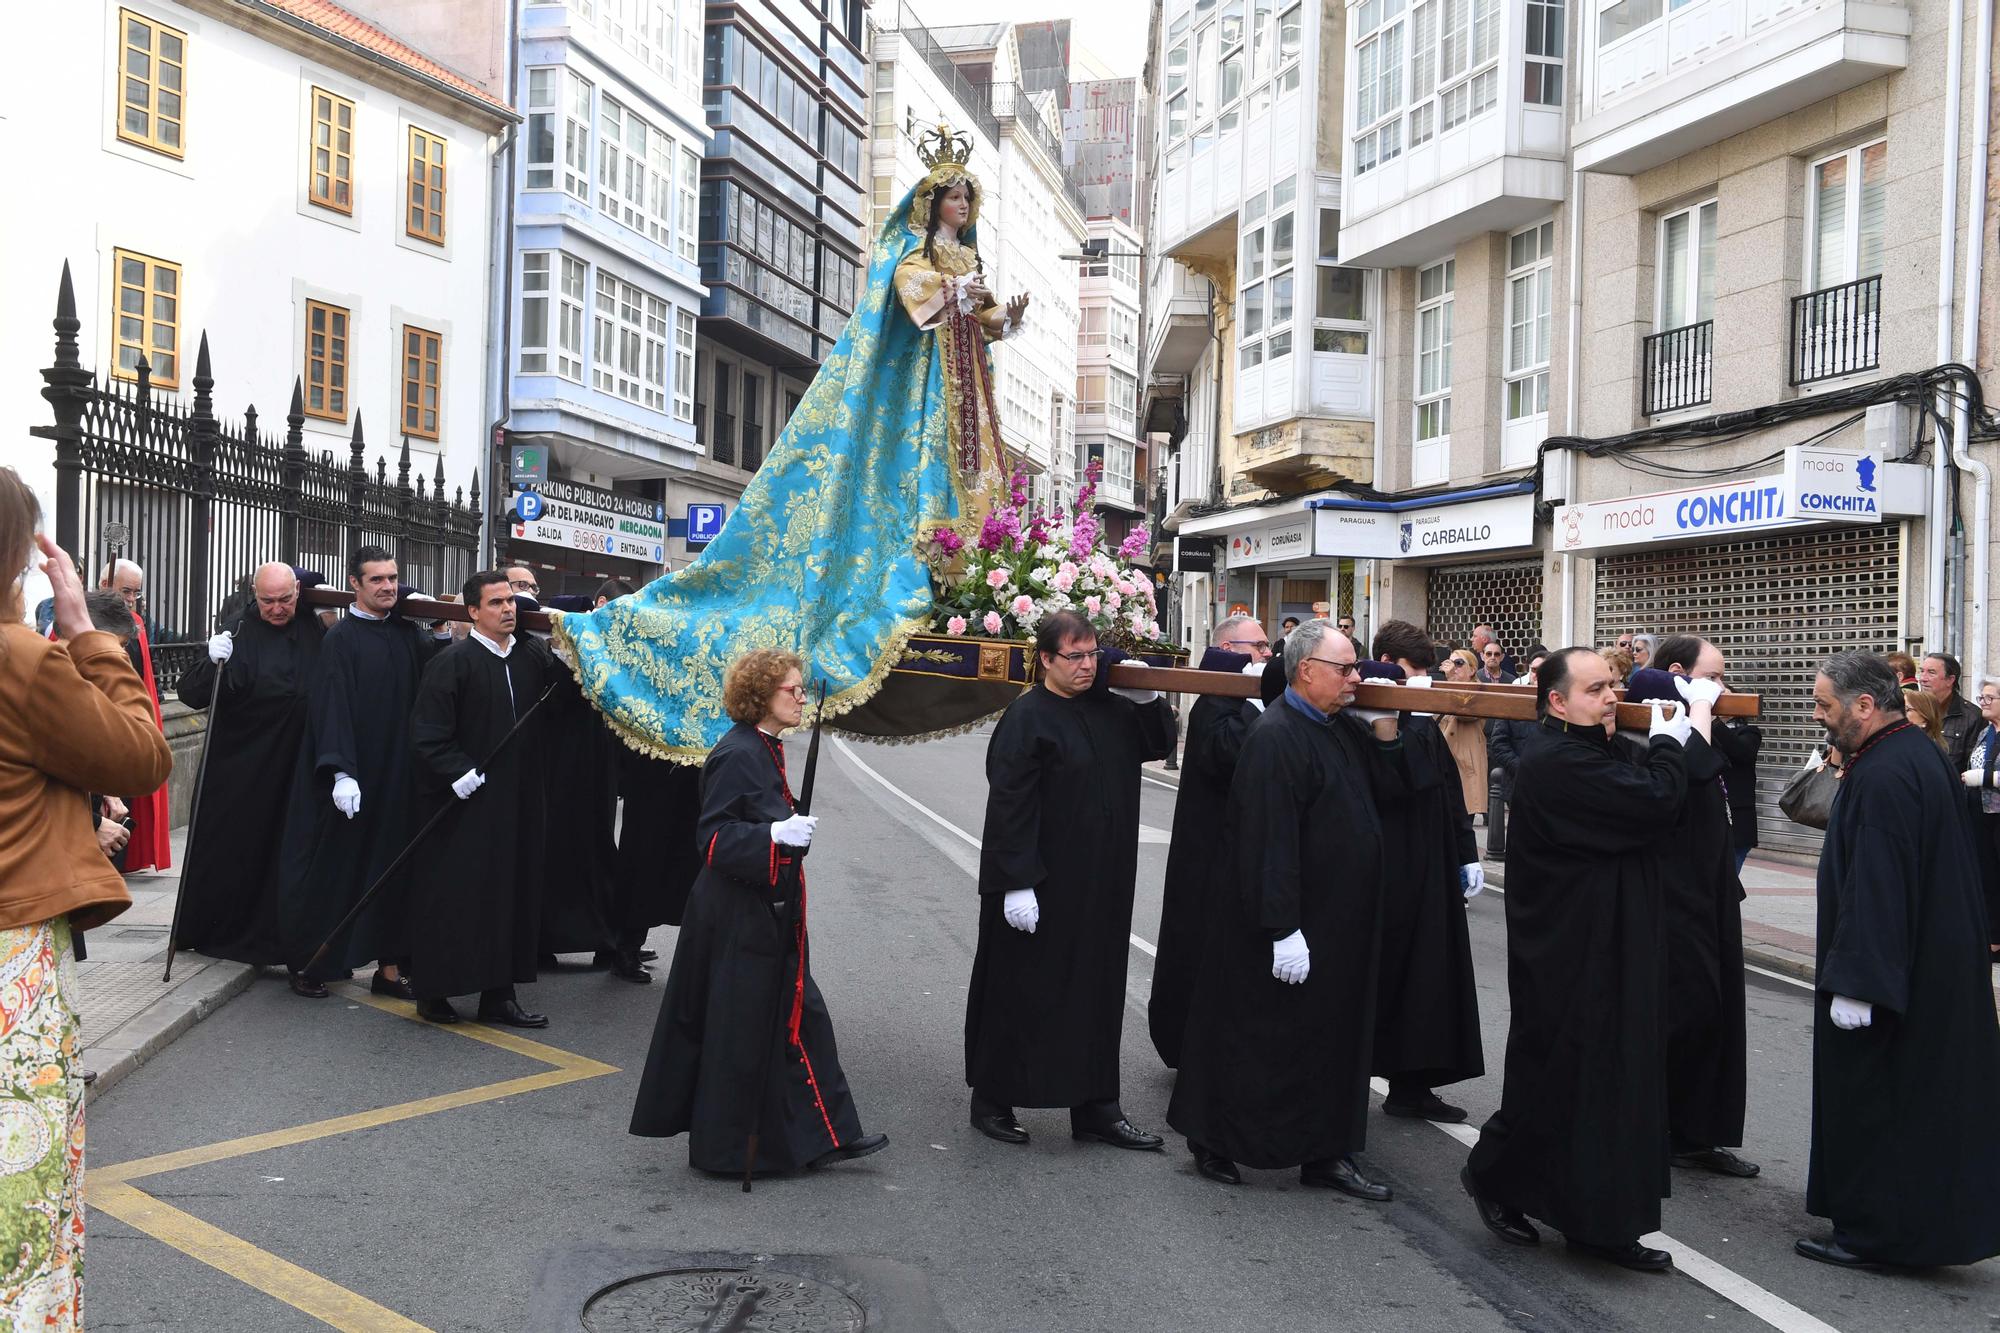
[{"x": 587, "y": 518}]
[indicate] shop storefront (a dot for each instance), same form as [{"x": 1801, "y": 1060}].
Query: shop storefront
[
  {"x": 1266, "y": 565},
  {"x": 576, "y": 536}
]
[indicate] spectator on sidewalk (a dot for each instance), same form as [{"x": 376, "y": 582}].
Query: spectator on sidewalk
[
  {"x": 1927, "y": 714},
  {"x": 1938, "y": 675},
  {"x": 1979, "y": 777},
  {"x": 1620, "y": 664},
  {"x": 1492, "y": 664},
  {"x": 1906, "y": 1049},
  {"x": 1467, "y": 738},
  {"x": 1905, "y": 667},
  {"x": 1510, "y": 740},
  {"x": 1740, "y": 740},
  {"x": 1642, "y": 649},
  {"x": 151, "y": 814},
  {"x": 74, "y": 718},
  {"x": 257, "y": 679},
  {"x": 1289, "y": 624}
]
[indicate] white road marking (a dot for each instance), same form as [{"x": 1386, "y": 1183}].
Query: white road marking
[
  {"x": 1779, "y": 976},
  {"x": 1170, "y": 786}
]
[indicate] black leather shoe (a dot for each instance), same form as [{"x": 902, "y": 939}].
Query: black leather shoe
[
  {"x": 437, "y": 1011},
  {"x": 510, "y": 1013},
  {"x": 1342, "y": 1174},
  {"x": 1002, "y": 1128},
  {"x": 1120, "y": 1133},
  {"x": 853, "y": 1148},
  {"x": 399, "y": 988},
  {"x": 1719, "y": 1160},
  {"x": 1830, "y": 1251},
  {"x": 1503, "y": 1222},
  {"x": 627, "y": 968},
  {"x": 1430, "y": 1107},
  {"x": 649, "y": 955},
  {"x": 1214, "y": 1165},
  {"x": 306, "y": 986},
  {"x": 1633, "y": 1255}
]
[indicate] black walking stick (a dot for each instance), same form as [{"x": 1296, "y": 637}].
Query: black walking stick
[
  {"x": 194, "y": 810},
  {"x": 422, "y": 833},
  {"x": 783, "y": 916}
]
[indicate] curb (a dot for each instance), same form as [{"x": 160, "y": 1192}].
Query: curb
[{"x": 150, "y": 1031}]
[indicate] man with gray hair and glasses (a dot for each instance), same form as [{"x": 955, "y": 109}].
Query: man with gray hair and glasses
[{"x": 1906, "y": 1050}]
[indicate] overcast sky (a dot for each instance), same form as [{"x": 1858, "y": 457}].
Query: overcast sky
[{"x": 1112, "y": 30}]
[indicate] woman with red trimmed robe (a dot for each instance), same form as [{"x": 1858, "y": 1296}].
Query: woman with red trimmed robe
[{"x": 742, "y": 946}]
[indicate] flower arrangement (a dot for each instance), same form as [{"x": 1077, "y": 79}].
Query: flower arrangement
[{"x": 1029, "y": 562}]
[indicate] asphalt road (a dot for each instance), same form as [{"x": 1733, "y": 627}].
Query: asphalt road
[{"x": 480, "y": 1214}]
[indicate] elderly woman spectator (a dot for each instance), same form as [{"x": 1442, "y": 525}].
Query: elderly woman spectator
[
  {"x": 1620, "y": 663},
  {"x": 1643, "y": 646},
  {"x": 1466, "y": 736},
  {"x": 74, "y": 719},
  {"x": 1984, "y": 786}
]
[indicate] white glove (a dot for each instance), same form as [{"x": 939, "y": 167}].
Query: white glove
[
  {"x": 1136, "y": 696},
  {"x": 1368, "y": 715},
  {"x": 1418, "y": 682},
  {"x": 1851, "y": 1014},
  {"x": 470, "y": 783},
  {"x": 1973, "y": 777},
  {"x": 1255, "y": 670},
  {"x": 1022, "y": 910},
  {"x": 1471, "y": 879},
  {"x": 796, "y": 831},
  {"x": 1291, "y": 960},
  {"x": 1698, "y": 691},
  {"x": 346, "y": 795},
  {"x": 220, "y": 647},
  {"x": 1675, "y": 724}
]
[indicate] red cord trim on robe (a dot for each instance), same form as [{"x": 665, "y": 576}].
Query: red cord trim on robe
[
  {"x": 798, "y": 1013},
  {"x": 150, "y": 844},
  {"x": 711, "y": 845}
]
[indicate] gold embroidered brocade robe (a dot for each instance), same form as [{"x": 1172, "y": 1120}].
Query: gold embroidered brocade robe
[{"x": 929, "y": 293}]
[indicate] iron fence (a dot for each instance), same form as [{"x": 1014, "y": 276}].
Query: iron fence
[
  {"x": 1837, "y": 331},
  {"x": 1679, "y": 366},
  {"x": 198, "y": 503}
]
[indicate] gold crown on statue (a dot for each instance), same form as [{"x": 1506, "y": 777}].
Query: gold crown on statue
[{"x": 944, "y": 147}]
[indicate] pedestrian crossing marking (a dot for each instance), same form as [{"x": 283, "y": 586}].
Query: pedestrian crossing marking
[{"x": 112, "y": 1190}]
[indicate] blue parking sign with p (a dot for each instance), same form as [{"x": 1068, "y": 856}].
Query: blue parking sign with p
[
  {"x": 704, "y": 523},
  {"x": 529, "y": 506}
]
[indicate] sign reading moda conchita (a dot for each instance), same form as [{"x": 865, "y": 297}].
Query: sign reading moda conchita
[{"x": 587, "y": 518}]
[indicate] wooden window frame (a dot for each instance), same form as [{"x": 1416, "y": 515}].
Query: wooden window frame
[
  {"x": 427, "y": 154},
  {"x": 429, "y": 356},
  {"x": 322, "y": 380},
  {"x": 155, "y": 30},
  {"x": 328, "y": 198},
  {"x": 149, "y": 292}
]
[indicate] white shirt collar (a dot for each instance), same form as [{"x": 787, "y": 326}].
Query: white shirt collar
[
  {"x": 356, "y": 610},
  {"x": 493, "y": 647}
]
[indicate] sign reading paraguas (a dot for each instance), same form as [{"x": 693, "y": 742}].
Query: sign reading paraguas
[
  {"x": 1817, "y": 486},
  {"x": 1495, "y": 524},
  {"x": 586, "y": 518}
]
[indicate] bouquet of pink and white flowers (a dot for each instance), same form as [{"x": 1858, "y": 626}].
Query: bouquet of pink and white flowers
[{"x": 1030, "y": 562}]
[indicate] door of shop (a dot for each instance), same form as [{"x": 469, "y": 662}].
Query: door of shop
[
  {"x": 1289, "y": 595},
  {"x": 1506, "y": 595},
  {"x": 1777, "y": 607}
]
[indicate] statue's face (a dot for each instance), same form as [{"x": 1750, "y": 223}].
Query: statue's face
[{"x": 954, "y": 209}]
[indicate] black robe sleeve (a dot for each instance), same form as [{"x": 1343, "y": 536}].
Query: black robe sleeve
[
  {"x": 1869, "y": 956},
  {"x": 197, "y": 684},
  {"x": 434, "y": 722},
  {"x": 1011, "y": 848},
  {"x": 1610, "y": 807},
  {"x": 1274, "y": 785},
  {"x": 1214, "y": 747},
  {"x": 332, "y": 710},
  {"x": 734, "y": 839},
  {"x": 1158, "y": 729}
]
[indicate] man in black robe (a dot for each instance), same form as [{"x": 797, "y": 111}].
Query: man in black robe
[
  {"x": 349, "y": 814},
  {"x": 257, "y": 677},
  {"x": 474, "y": 898},
  {"x": 1707, "y": 1058},
  {"x": 1906, "y": 1051},
  {"x": 1580, "y": 1139},
  {"x": 1046, "y": 1008},
  {"x": 1427, "y": 1005},
  {"x": 1274, "y": 1062},
  {"x": 1195, "y": 871}
]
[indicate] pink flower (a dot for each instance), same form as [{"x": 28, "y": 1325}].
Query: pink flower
[
  {"x": 956, "y": 625},
  {"x": 1135, "y": 543},
  {"x": 1112, "y": 601},
  {"x": 996, "y": 578},
  {"x": 1022, "y": 605},
  {"x": 948, "y": 541},
  {"x": 992, "y": 622},
  {"x": 1093, "y": 606},
  {"x": 1065, "y": 578}
]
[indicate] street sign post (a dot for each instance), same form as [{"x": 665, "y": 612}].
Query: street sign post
[{"x": 704, "y": 523}]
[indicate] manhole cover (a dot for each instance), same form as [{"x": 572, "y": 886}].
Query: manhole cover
[{"x": 723, "y": 1300}]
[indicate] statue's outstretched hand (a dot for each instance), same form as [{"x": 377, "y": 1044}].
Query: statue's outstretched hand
[{"x": 1017, "y": 308}]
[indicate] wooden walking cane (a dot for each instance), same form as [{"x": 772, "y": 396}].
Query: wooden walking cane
[
  {"x": 422, "y": 833},
  {"x": 784, "y": 917},
  {"x": 194, "y": 811}
]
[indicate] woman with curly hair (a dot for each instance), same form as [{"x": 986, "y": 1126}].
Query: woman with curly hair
[{"x": 716, "y": 1028}]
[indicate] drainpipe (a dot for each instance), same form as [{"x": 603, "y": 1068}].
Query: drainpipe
[
  {"x": 500, "y": 325},
  {"x": 1968, "y": 342},
  {"x": 1937, "y": 624},
  {"x": 1573, "y": 395}
]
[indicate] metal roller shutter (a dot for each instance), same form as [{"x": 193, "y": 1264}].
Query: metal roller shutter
[
  {"x": 1777, "y": 607},
  {"x": 1507, "y": 596}
]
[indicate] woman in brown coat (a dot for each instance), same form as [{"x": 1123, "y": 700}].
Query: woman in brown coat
[
  {"x": 74, "y": 719},
  {"x": 1466, "y": 737}
]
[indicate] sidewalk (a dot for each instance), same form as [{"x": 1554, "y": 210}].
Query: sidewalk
[
  {"x": 127, "y": 1013},
  {"x": 1780, "y": 916}
]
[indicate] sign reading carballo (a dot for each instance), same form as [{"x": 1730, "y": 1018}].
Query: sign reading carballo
[
  {"x": 1833, "y": 485},
  {"x": 587, "y": 518},
  {"x": 1416, "y": 533}
]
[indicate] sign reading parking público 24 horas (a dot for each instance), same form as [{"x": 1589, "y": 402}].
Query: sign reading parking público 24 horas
[{"x": 588, "y": 518}]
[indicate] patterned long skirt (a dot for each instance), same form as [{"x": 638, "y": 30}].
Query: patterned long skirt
[{"x": 41, "y": 1132}]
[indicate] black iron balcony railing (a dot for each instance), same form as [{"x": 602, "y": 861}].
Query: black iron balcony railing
[
  {"x": 1678, "y": 366},
  {"x": 1837, "y": 331}
]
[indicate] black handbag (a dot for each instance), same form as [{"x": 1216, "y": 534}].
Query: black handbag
[{"x": 1808, "y": 797}]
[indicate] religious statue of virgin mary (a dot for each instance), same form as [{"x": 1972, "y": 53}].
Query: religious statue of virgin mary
[{"x": 897, "y": 436}]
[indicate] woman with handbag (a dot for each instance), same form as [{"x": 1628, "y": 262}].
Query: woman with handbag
[{"x": 1808, "y": 797}]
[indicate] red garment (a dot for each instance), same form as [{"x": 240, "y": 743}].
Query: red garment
[{"x": 151, "y": 817}]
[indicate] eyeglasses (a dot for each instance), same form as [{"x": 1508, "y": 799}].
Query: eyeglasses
[
  {"x": 1247, "y": 643},
  {"x": 1074, "y": 658},
  {"x": 796, "y": 691},
  {"x": 1489, "y": 652},
  {"x": 525, "y": 585},
  {"x": 1345, "y": 625},
  {"x": 1344, "y": 668}
]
